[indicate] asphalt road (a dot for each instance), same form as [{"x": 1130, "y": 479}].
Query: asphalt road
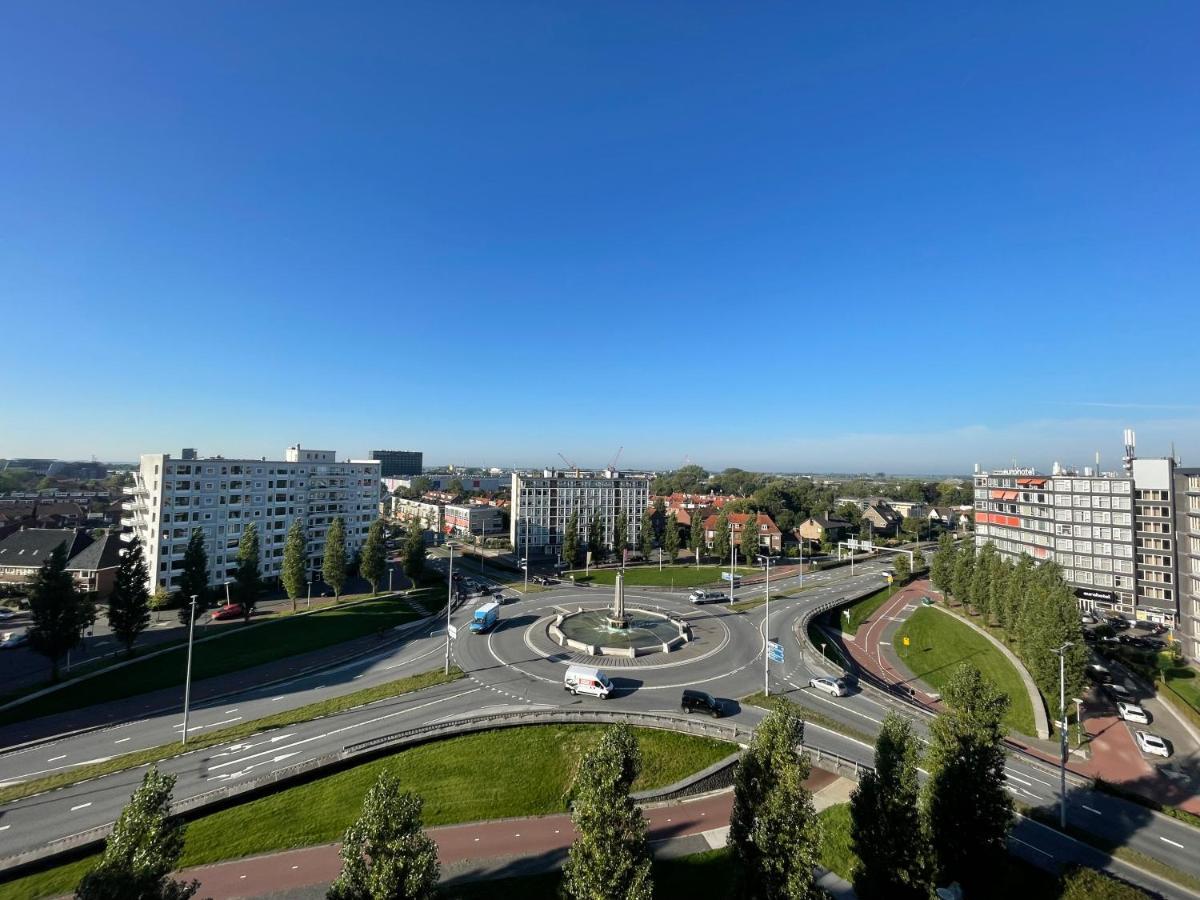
[{"x": 511, "y": 669}]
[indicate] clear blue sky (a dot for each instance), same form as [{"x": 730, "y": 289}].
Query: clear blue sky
[{"x": 769, "y": 235}]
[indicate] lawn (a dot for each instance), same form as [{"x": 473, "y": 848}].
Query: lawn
[
  {"x": 650, "y": 576},
  {"x": 861, "y": 610},
  {"x": 241, "y": 730},
  {"x": 1184, "y": 683},
  {"x": 533, "y": 767},
  {"x": 236, "y": 648},
  {"x": 837, "y": 852},
  {"x": 939, "y": 642}
]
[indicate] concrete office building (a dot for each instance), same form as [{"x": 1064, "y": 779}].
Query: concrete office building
[
  {"x": 1187, "y": 555},
  {"x": 395, "y": 463},
  {"x": 543, "y": 504},
  {"x": 1110, "y": 532},
  {"x": 172, "y": 497}
]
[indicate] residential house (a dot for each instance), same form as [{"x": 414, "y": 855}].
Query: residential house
[
  {"x": 92, "y": 563},
  {"x": 819, "y": 529},
  {"x": 768, "y": 534},
  {"x": 883, "y": 519}
]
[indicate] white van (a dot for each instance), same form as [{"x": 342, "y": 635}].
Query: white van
[{"x": 586, "y": 680}]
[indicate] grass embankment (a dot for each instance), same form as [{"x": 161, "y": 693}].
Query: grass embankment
[
  {"x": 230, "y": 650},
  {"x": 861, "y": 610},
  {"x": 230, "y": 733},
  {"x": 650, "y": 576},
  {"x": 939, "y": 642},
  {"x": 1183, "y": 686},
  {"x": 528, "y": 771}
]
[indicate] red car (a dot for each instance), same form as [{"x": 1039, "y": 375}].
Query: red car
[{"x": 232, "y": 611}]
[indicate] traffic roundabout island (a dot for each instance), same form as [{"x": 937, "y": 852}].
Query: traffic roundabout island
[{"x": 617, "y": 631}]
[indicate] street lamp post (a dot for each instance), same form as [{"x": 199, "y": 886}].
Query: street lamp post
[
  {"x": 526, "y": 562},
  {"x": 1062, "y": 735},
  {"x": 732, "y": 558},
  {"x": 1078, "y": 722},
  {"x": 449, "y": 595},
  {"x": 391, "y": 572},
  {"x": 309, "y": 605},
  {"x": 187, "y": 681},
  {"x": 767, "y": 627}
]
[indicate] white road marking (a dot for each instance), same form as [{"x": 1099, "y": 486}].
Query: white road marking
[
  {"x": 5, "y": 827},
  {"x": 122, "y": 740},
  {"x": 81, "y": 806},
  {"x": 56, "y": 758},
  {"x": 1089, "y": 809},
  {"x": 1171, "y": 842}
]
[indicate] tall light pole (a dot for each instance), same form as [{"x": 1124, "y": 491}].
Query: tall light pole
[
  {"x": 1062, "y": 734},
  {"x": 449, "y": 595},
  {"x": 767, "y": 628},
  {"x": 187, "y": 681},
  {"x": 525, "y": 522},
  {"x": 309, "y": 606},
  {"x": 732, "y": 557}
]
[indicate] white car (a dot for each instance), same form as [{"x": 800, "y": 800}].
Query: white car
[
  {"x": 834, "y": 686},
  {"x": 1151, "y": 743},
  {"x": 699, "y": 596},
  {"x": 1131, "y": 712},
  {"x": 13, "y": 639}
]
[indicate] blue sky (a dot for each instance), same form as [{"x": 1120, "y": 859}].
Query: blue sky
[{"x": 770, "y": 235}]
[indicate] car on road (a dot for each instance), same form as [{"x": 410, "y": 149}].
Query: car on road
[
  {"x": 1118, "y": 693},
  {"x": 927, "y": 601},
  {"x": 699, "y": 701},
  {"x": 229, "y": 611},
  {"x": 1152, "y": 744},
  {"x": 485, "y": 589},
  {"x": 833, "y": 686},
  {"x": 6, "y": 614},
  {"x": 13, "y": 639},
  {"x": 701, "y": 596},
  {"x": 1097, "y": 673},
  {"x": 1131, "y": 712},
  {"x": 587, "y": 680}
]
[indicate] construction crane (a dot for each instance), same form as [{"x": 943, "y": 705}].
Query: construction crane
[
  {"x": 612, "y": 463},
  {"x": 570, "y": 465}
]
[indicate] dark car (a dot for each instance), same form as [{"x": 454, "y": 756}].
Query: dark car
[
  {"x": 698, "y": 701},
  {"x": 1098, "y": 673},
  {"x": 1117, "y": 623}
]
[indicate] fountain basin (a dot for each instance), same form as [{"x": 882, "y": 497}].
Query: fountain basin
[{"x": 590, "y": 631}]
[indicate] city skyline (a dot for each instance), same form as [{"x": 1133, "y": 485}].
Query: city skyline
[{"x": 758, "y": 238}]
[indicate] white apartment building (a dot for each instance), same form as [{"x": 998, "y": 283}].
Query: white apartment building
[
  {"x": 172, "y": 497},
  {"x": 542, "y": 505}
]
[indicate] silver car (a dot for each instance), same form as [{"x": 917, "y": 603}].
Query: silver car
[
  {"x": 1131, "y": 712},
  {"x": 833, "y": 686}
]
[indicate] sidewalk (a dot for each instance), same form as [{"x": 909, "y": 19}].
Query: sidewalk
[{"x": 502, "y": 848}]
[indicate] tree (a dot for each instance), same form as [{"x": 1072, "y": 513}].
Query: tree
[
  {"x": 671, "y": 539},
  {"x": 696, "y": 533},
  {"x": 748, "y": 543},
  {"x": 159, "y": 600},
  {"x": 374, "y": 556},
  {"x": 295, "y": 562},
  {"x": 886, "y": 830},
  {"x": 621, "y": 535},
  {"x": 414, "y": 551},
  {"x": 143, "y": 849},
  {"x": 964, "y": 572},
  {"x": 1019, "y": 580},
  {"x": 647, "y": 535},
  {"x": 721, "y": 537},
  {"x": 247, "y": 574},
  {"x": 129, "y": 602},
  {"x": 900, "y": 566},
  {"x": 455, "y": 487},
  {"x": 609, "y": 859},
  {"x": 570, "y": 544},
  {"x": 333, "y": 567},
  {"x": 773, "y": 830},
  {"x": 966, "y": 801},
  {"x": 1053, "y": 620},
  {"x": 941, "y": 571},
  {"x": 58, "y": 612},
  {"x": 193, "y": 579},
  {"x": 981, "y": 590},
  {"x": 596, "y": 536},
  {"x": 386, "y": 854},
  {"x": 919, "y": 564},
  {"x": 912, "y": 525}
]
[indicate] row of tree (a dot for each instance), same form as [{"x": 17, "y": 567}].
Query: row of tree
[{"x": 1031, "y": 602}]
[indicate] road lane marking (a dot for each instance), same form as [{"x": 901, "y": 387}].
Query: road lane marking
[
  {"x": 56, "y": 758},
  {"x": 1089, "y": 809},
  {"x": 1171, "y": 842},
  {"x": 81, "y": 806},
  {"x": 5, "y": 827},
  {"x": 122, "y": 740}
]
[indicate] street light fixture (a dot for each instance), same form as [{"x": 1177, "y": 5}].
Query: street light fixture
[
  {"x": 187, "y": 681},
  {"x": 1062, "y": 733},
  {"x": 449, "y": 595},
  {"x": 766, "y": 560}
]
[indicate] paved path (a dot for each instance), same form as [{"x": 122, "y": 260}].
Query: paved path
[{"x": 493, "y": 849}]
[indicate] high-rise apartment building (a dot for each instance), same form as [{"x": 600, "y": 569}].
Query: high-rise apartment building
[
  {"x": 1187, "y": 557},
  {"x": 543, "y": 504},
  {"x": 397, "y": 463},
  {"x": 1112, "y": 533},
  {"x": 172, "y": 497}
]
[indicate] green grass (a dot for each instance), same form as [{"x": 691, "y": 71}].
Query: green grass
[
  {"x": 940, "y": 642},
  {"x": 230, "y": 733},
  {"x": 861, "y": 610},
  {"x": 837, "y": 852},
  {"x": 537, "y": 762},
  {"x": 237, "y": 648},
  {"x": 679, "y": 576},
  {"x": 1183, "y": 684}
]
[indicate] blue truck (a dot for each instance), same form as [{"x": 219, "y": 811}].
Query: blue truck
[{"x": 485, "y": 618}]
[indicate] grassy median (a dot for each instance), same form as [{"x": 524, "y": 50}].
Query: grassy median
[
  {"x": 939, "y": 643},
  {"x": 650, "y": 576},
  {"x": 861, "y": 610},
  {"x": 234, "y": 649},
  {"x": 522, "y": 771}
]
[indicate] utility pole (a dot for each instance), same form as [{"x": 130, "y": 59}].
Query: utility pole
[
  {"x": 525, "y": 562},
  {"x": 1062, "y": 734},
  {"x": 767, "y": 630},
  {"x": 732, "y": 557},
  {"x": 187, "y": 681},
  {"x": 449, "y": 596}
]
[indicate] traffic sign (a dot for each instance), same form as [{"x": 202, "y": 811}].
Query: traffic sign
[
  {"x": 453, "y": 631},
  {"x": 906, "y": 640},
  {"x": 775, "y": 651}
]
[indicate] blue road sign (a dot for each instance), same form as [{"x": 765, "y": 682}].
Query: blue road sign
[{"x": 775, "y": 651}]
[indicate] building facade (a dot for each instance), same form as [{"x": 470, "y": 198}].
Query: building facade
[
  {"x": 542, "y": 505},
  {"x": 395, "y": 463},
  {"x": 1187, "y": 558},
  {"x": 171, "y": 497},
  {"x": 427, "y": 515},
  {"x": 440, "y": 481},
  {"x": 91, "y": 562},
  {"x": 472, "y": 520}
]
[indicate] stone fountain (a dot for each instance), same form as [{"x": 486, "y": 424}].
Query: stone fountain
[{"x": 616, "y": 617}]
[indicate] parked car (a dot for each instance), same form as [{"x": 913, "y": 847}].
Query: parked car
[
  {"x": 834, "y": 686},
  {"x": 1131, "y": 712},
  {"x": 6, "y": 614},
  {"x": 13, "y": 639},
  {"x": 927, "y": 601},
  {"x": 1118, "y": 693},
  {"x": 1088, "y": 619},
  {"x": 1097, "y": 673},
  {"x": 1117, "y": 623},
  {"x": 229, "y": 611},
  {"x": 698, "y": 701},
  {"x": 1152, "y": 744}
]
